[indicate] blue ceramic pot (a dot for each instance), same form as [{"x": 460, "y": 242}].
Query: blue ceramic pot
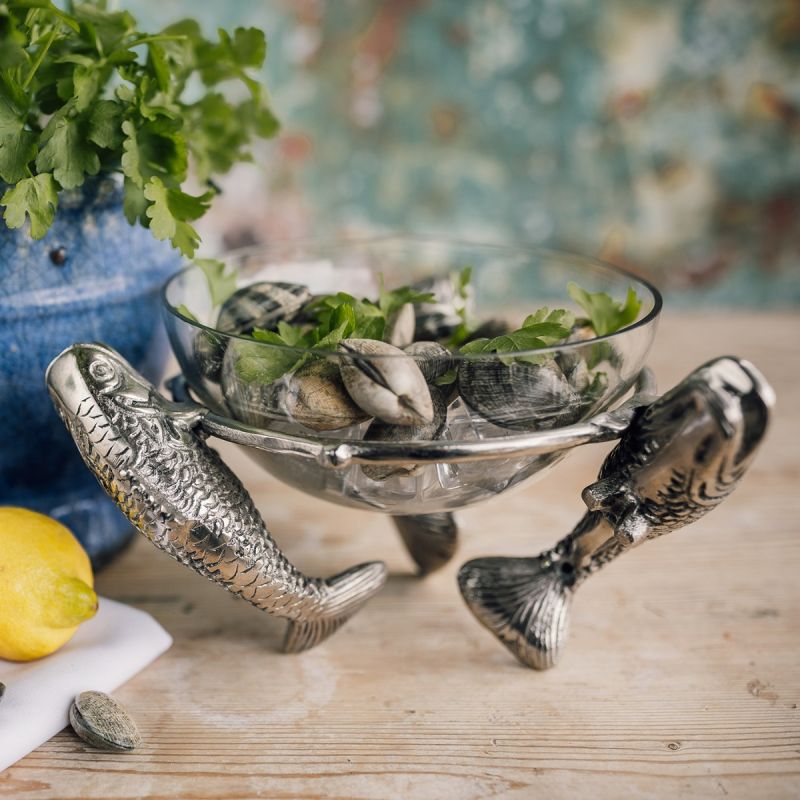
[{"x": 93, "y": 277}]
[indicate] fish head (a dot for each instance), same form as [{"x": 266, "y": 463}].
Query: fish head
[
  {"x": 714, "y": 420},
  {"x": 104, "y": 403},
  {"x": 94, "y": 372}
]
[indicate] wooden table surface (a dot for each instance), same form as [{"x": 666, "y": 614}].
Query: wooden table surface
[{"x": 681, "y": 679}]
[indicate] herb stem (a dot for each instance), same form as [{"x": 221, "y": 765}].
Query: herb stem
[{"x": 39, "y": 58}]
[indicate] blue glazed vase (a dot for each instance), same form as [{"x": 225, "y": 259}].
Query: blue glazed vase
[{"x": 93, "y": 277}]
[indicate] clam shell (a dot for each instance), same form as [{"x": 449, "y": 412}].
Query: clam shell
[
  {"x": 103, "y": 723},
  {"x": 261, "y": 305},
  {"x": 312, "y": 395},
  {"x": 315, "y": 396},
  {"x": 385, "y": 382},
  {"x": 380, "y": 431},
  {"x": 519, "y": 395},
  {"x": 438, "y": 319},
  {"x": 579, "y": 377},
  {"x": 569, "y": 359},
  {"x": 209, "y": 353},
  {"x": 400, "y": 326},
  {"x": 432, "y": 358},
  {"x": 489, "y": 329}
]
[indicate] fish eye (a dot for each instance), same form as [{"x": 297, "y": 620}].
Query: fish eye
[{"x": 101, "y": 370}]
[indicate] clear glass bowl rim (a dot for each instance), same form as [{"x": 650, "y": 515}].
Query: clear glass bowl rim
[{"x": 338, "y": 242}]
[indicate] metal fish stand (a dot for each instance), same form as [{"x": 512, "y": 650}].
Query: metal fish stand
[{"x": 678, "y": 456}]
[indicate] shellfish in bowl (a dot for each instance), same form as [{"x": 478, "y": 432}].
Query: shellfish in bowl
[{"x": 360, "y": 388}]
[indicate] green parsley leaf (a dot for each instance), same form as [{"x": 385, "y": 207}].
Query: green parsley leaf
[
  {"x": 104, "y": 124},
  {"x": 35, "y": 197},
  {"x": 389, "y": 302},
  {"x": 12, "y": 41},
  {"x": 17, "y": 145},
  {"x": 464, "y": 280},
  {"x": 540, "y": 329},
  {"x": 83, "y": 90},
  {"x": 67, "y": 152},
  {"x": 134, "y": 203},
  {"x": 362, "y": 318},
  {"x": 605, "y": 314},
  {"x": 255, "y": 363},
  {"x": 449, "y": 377},
  {"x": 221, "y": 284},
  {"x": 86, "y": 81},
  {"x": 184, "y": 312},
  {"x": 168, "y": 212},
  {"x": 154, "y": 149}
]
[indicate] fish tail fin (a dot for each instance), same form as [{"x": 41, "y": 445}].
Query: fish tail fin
[
  {"x": 524, "y": 602},
  {"x": 431, "y": 539},
  {"x": 343, "y": 595}
]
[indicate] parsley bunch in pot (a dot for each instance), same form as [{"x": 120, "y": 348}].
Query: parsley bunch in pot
[{"x": 98, "y": 135}]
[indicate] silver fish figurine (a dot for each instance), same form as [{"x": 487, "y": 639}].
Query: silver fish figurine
[
  {"x": 681, "y": 457},
  {"x": 177, "y": 491}
]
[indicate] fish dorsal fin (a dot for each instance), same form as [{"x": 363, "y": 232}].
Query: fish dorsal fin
[
  {"x": 632, "y": 529},
  {"x": 597, "y": 495}
]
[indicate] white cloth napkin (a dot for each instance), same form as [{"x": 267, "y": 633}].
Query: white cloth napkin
[{"x": 106, "y": 651}]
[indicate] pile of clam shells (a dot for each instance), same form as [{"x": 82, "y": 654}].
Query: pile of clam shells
[{"x": 401, "y": 386}]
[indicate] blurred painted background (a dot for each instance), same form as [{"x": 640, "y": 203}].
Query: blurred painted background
[{"x": 663, "y": 136}]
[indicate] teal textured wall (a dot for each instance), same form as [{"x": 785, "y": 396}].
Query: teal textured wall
[{"x": 663, "y": 136}]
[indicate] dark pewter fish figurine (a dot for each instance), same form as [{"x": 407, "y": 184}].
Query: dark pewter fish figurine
[
  {"x": 178, "y": 492},
  {"x": 681, "y": 456}
]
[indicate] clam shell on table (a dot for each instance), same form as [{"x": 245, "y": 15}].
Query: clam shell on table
[
  {"x": 103, "y": 723},
  {"x": 432, "y": 358},
  {"x": 380, "y": 431},
  {"x": 385, "y": 382},
  {"x": 261, "y": 305},
  {"x": 519, "y": 395}
]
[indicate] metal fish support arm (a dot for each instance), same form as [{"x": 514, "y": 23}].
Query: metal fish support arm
[
  {"x": 149, "y": 457},
  {"x": 681, "y": 456}
]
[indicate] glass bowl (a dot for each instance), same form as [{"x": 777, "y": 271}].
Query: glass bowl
[{"x": 297, "y": 414}]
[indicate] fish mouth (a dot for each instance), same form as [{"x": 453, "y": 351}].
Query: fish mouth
[
  {"x": 65, "y": 383},
  {"x": 95, "y": 371},
  {"x": 80, "y": 404}
]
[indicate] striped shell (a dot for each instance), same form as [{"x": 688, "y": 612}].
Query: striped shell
[
  {"x": 103, "y": 723},
  {"x": 261, "y": 305},
  {"x": 519, "y": 395}
]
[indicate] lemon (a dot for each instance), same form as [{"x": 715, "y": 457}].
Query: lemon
[{"x": 45, "y": 585}]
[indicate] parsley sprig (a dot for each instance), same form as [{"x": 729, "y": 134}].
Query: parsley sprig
[
  {"x": 83, "y": 92},
  {"x": 335, "y": 317},
  {"x": 541, "y": 329},
  {"x": 605, "y": 314}
]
